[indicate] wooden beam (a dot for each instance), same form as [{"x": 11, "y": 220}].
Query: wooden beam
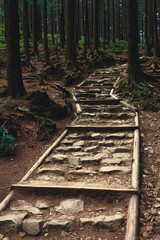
[
  {"x": 111, "y": 101},
  {"x": 116, "y": 128},
  {"x": 133, "y": 219},
  {"x": 71, "y": 186}
]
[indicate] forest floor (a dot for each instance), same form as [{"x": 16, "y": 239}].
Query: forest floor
[{"x": 28, "y": 123}]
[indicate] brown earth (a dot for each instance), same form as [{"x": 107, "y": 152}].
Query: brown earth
[{"x": 30, "y": 148}]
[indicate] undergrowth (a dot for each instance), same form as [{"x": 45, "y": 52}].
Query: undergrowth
[{"x": 7, "y": 142}]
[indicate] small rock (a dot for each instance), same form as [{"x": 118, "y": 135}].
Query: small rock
[
  {"x": 6, "y": 238},
  {"x": 145, "y": 234},
  {"x": 110, "y": 169},
  {"x": 11, "y": 222},
  {"x": 149, "y": 228},
  {"x": 146, "y": 214},
  {"x": 70, "y": 206},
  {"x": 1, "y": 236},
  {"x": 67, "y": 223},
  {"x": 158, "y": 160},
  {"x": 32, "y": 226},
  {"x": 147, "y": 172},
  {"x": 21, "y": 234},
  {"x": 154, "y": 212}
]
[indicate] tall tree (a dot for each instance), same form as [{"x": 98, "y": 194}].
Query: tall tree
[
  {"x": 35, "y": 28},
  {"x": 62, "y": 30},
  {"x": 45, "y": 29},
  {"x": 95, "y": 25},
  {"x": 108, "y": 21},
  {"x": 70, "y": 30},
  {"x": 134, "y": 71},
  {"x": 156, "y": 42},
  {"x": 26, "y": 31},
  {"x": 15, "y": 86}
]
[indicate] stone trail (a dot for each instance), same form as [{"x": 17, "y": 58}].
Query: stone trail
[{"x": 83, "y": 188}]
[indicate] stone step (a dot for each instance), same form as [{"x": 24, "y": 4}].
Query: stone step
[{"x": 58, "y": 216}]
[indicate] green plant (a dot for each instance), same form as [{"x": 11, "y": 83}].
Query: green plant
[{"x": 7, "y": 142}]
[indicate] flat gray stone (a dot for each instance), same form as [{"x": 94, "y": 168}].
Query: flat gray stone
[
  {"x": 122, "y": 155},
  {"x": 92, "y": 160},
  {"x": 57, "y": 171},
  {"x": 109, "y": 161},
  {"x": 79, "y": 154},
  {"x": 31, "y": 226},
  {"x": 42, "y": 204},
  {"x": 78, "y": 143},
  {"x": 22, "y": 205},
  {"x": 12, "y": 221},
  {"x": 74, "y": 160},
  {"x": 82, "y": 172},
  {"x": 115, "y": 136},
  {"x": 56, "y": 158},
  {"x": 111, "y": 169},
  {"x": 64, "y": 222},
  {"x": 121, "y": 150},
  {"x": 97, "y": 136},
  {"x": 103, "y": 221},
  {"x": 90, "y": 149},
  {"x": 70, "y": 206},
  {"x": 67, "y": 148}
]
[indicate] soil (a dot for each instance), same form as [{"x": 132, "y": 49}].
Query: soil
[{"x": 14, "y": 166}]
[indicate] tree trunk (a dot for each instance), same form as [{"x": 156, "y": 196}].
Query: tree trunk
[
  {"x": 108, "y": 22},
  {"x": 35, "y": 29},
  {"x": 62, "y": 31},
  {"x": 156, "y": 43},
  {"x": 113, "y": 21},
  {"x": 86, "y": 29},
  {"x": 52, "y": 25},
  {"x": 70, "y": 29},
  {"x": 15, "y": 86},
  {"x": 146, "y": 29},
  {"x": 95, "y": 25},
  {"x": 134, "y": 71},
  {"x": 104, "y": 24},
  {"x": 45, "y": 29},
  {"x": 26, "y": 31}
]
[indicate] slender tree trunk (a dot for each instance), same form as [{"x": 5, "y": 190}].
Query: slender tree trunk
[
  {"x": 45, "y": 29},
  {"x": 134, "y": 72},
  {"x": 70, "y": 29},
  {"x": 35, "y": 29},
  {"x": 86, "y": 29},
  {"x": 15, "y": 86},
  {"x": 108, "y": 22},
  {"x": 156, "y": 43},
  {"x": 104, "y": 23},
  {"x": 146, "y": 29},
  {"x": 26, "y": 31},
  {"x": 95, "y": 25},
  {"x": 52, "y": 26},
  {"x": 113, "y": 21},
  {"x": 62, "y": 31}
]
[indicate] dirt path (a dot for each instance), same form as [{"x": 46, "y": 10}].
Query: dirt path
[{"x": 85, "y": 187}]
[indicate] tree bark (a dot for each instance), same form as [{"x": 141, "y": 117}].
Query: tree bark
[
  {"x": 134, "y": 71},
  {"x": 108, "y": 22},
  {"x": 45, "y": 29},
  {"x": 62, "y": 30},
  {"x": 95, "y": 25},
  {"x": 156, "y": 43},
  {"x": 26, "y": 31},
  {"x": 70, "y": 29},
  {"x": 15, "y": 86},
  {"x": 35, "y": 29}
]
